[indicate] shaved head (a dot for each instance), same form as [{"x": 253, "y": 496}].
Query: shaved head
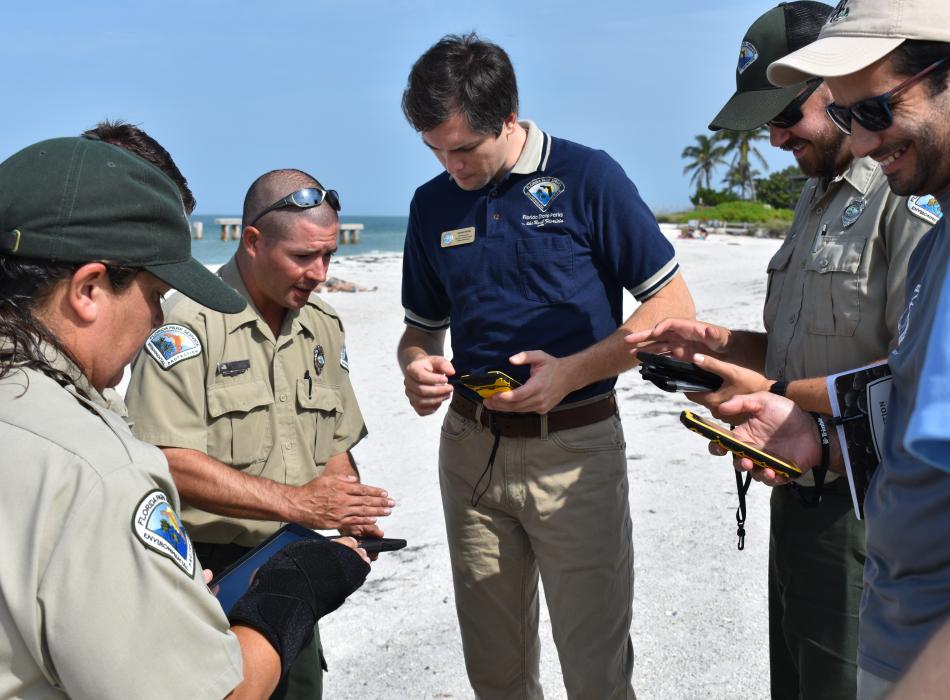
[{"x": 271, "y": 187}]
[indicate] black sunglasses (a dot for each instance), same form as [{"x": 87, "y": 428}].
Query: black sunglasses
[
  {"x": 305, "y": 199},
  {"x": 874, "y": 113},
  {"x": 792, "y": 114}
]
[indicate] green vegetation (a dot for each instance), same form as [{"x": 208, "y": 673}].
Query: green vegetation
[{"x": 748, "y": 196}]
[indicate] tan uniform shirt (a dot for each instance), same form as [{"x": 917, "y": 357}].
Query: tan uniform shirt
[
  {"x": 836, "y": 285},
  {"x": 100, "y": 592},
  {"x": 281, "y": 416}
]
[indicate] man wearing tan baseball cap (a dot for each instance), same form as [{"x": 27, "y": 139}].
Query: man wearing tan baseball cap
[{"x": 887, "y": 63}]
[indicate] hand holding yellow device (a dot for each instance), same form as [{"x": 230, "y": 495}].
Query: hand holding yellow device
[
  {"x": 728, "y": 440},
  {"x": 489, "y": 383}
]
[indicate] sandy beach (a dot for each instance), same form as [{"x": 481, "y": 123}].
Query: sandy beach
[
  {"x": 700, "y": 616},
  {"x": 700, "y": 619}
]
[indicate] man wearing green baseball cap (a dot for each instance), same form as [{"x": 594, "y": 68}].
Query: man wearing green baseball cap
[
  {"x": 887, "y": 63},
  {"x": 835, "y": 292},
  {"x": 95, "y": 563}
]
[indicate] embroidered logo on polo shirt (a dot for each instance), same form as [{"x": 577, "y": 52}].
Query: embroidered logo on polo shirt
[
  {"x": 747, "y": 56},
  {"x": 458, "y": 236},
  {"x": 926, "y": 207},
  {"x": 157, "y": 525},
  {"x": 171, "y": 344},
  {"x": 851, "y": 212},
  {"x": 543, "y": 191}
]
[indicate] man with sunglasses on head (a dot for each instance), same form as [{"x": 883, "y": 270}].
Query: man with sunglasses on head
[
  {"x": 836, "y": 289},
  {"x": 255, "y": 412},
  {"x": 887, "y": 63}
]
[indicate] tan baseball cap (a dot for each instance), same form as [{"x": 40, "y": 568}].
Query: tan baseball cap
[{"x": 860, "y": 32}]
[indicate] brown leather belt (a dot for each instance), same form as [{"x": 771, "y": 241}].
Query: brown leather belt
[{"x": 529, "y": 424}]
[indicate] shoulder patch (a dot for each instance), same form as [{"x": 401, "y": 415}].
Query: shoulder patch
[
  {"x": 747, "y": 55},
  {"x": 156, "y": 525},
  {"x": 171, "y": 344},
  {"x": 344, "y": 359},
  {"x": 926, "y": 207}
]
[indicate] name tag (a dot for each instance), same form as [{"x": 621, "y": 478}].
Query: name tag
[{"x": 459, "y": 236}]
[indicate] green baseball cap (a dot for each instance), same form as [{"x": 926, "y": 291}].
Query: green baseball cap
[
  {"x": 77, "y": 200},
  {"x": 775, "y": 34}
]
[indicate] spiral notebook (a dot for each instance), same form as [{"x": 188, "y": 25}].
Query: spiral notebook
[{"x": 859, "y": 401}]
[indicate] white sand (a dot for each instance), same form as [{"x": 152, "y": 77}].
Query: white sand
[{"x": 700, "y": 616}]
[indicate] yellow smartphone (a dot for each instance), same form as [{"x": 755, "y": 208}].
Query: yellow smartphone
[
  {"x": 728, "y": 440},
  {"x": 489, "y": 383}
]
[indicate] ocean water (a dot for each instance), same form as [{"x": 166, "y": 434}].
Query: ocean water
[{"x": 381, "y": 234}]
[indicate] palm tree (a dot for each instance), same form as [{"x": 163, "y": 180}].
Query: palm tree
[
  {"x": 741, "y": 144},
  {"x": 704, "y": 157}
]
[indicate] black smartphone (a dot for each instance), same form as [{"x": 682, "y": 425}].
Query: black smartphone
[
  {"x": 373, "y": 545},
  {"x": 670, "y": 374},
  {"x": 730, "y": 441}
]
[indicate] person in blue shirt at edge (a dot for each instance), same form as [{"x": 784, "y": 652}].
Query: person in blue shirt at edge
[
  {"x": 523, "y": 248},
  {"x": 887, "y": 63}
]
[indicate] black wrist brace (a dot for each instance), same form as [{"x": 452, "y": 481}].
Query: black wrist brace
[{"x": 296, "y": 587}]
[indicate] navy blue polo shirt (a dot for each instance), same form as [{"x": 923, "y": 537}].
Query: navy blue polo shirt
[{"x": 537, "y": 261}]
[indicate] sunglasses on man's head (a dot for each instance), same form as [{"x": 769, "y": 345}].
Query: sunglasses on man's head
[
  {"x": 874, "y": 113},
  {"x": 304, "y": 199},
  {"x": 792, "y": 114}
]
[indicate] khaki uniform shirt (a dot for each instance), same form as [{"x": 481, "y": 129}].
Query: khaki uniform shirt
[
  {"x": 101, "y": 595},
  {"x": 836, "y": 285},
  {"x": 281, "y": 416}
]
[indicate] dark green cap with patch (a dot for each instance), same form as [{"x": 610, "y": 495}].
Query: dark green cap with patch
[
  {"x": 77, "y": 200},
  {"x": 774, "y": 35}
]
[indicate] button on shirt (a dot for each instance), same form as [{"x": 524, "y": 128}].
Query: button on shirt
[
  {"x": 281, "y": 418},
  {"x": 536, "y": 261},
  {"x": 836, "y": 285}
]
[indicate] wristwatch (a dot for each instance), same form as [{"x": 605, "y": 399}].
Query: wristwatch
[{"x": 779, "y": 388}]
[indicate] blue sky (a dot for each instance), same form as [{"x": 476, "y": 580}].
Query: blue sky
[{"x": 233, "y": 89}]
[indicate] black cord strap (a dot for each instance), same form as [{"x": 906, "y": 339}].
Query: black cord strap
[
  {"x": 489, "y": 468},
  {"x": 741, "y": 489}
]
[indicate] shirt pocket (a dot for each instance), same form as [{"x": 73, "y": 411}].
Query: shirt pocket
[
  {"x": 778, "y": 272},
  {"x": 240, "y": 430},
  {"x": 321, "y": 408},
  {"x": 832, "y": 299},
  {"x": 546, "y": 268}
]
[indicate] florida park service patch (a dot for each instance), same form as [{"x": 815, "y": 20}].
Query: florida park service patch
[
  {"x": 171, "y": 344},
  {"x": 157, "y": 525}
]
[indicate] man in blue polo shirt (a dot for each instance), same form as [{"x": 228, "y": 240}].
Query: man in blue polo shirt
[
  {"x": 523, "y": 248},
  {"x": 887, "y": 63}
]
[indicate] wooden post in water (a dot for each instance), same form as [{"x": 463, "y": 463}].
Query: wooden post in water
[
  {"x": 197, "y": 229},
  {"x": 230, "y": 228}
]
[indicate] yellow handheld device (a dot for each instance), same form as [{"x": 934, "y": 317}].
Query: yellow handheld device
[
  {"x": 489, "y": 383},
  {"x": 728, "y": 440}
]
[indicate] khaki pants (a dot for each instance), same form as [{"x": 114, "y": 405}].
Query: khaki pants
[{"x": 557, "y": 505}]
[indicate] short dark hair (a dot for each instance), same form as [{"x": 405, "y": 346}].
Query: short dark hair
[
  {"x": 914, "y": 55},
  {"x": 461, "y": 74},
  {"x": 136, "y": 141},
  {"x": 269, "y": 188}
]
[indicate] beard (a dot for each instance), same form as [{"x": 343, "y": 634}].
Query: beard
[{"x": 828, "y": 155}]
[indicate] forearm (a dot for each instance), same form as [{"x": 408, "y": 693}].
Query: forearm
[
  {"x": 809, "y": 394},
  {"x": 611, "y": 356},
  {"x": 416, "y": 343},
  {"x": 746, "y": 349},
  {"x": 213, "y": 486},
  {"x": 261, "y": 665}
]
